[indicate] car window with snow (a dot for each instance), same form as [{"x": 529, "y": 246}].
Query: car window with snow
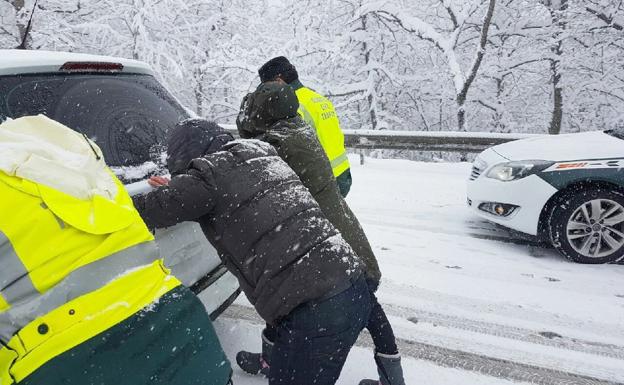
[
  {"x": 616, "y": 132},
  {"x": 127, "y": 115}
]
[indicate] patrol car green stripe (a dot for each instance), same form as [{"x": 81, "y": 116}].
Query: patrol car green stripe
[{"x": 564, "y": 178}]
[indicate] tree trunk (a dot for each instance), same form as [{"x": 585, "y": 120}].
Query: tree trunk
[
  {"x": 461, "y": 115},
  {"x": 199, "y": 95},
  {"x": 19, "y": 6},
  {"x": 557, "y": 114},
  {"x": 474, "y": 69},
  {"x": 557, "y": 8},
  {"x": 499, "y": 124},
  {"x": 135, "y": 45},
  {"x": 22, "y": 24},
  {"x": 373, "y": 113},
  {"x": 371, "y": 99}
]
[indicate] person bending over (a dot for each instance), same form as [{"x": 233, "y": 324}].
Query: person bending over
[
  {"x": 270, "y": 114},
  {"x": 293, "y": 265}
]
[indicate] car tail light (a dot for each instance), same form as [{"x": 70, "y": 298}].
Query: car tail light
[{"x": 71, "y": 66}]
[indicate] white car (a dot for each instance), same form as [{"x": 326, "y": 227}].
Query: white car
[
  {"x": 120, "y": 104},
  {"x": 566, "y": 188}
]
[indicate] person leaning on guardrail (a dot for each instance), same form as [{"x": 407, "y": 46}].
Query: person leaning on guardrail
[
  {"x": 319, "y": 113},
  {"x": 270, "y": 114},
  {"x": 84, "y": 295}
]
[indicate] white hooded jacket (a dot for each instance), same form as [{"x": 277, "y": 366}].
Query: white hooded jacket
[{"x": 44, "y": 151}]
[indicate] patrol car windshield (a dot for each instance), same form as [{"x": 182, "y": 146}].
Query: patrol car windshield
[{"x": 126, "y": 114}]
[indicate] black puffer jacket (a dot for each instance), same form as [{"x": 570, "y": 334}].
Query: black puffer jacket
[
  {"x": 270, "y": 114},
  {"x": 267, "y": 228}
]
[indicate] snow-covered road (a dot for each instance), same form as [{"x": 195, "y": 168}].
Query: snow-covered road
[{"x": 463, "y": 286}]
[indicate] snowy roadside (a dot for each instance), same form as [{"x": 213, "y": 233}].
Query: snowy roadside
[
  {"x": 237, "y": 335},
  {"x": 454, "y": 281}
]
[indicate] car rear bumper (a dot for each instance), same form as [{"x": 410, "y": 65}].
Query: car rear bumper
[{"x": 217, "y": 291}]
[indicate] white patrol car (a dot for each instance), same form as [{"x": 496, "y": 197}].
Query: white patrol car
[
  {"x": 119, "y": 104},
  {"x": 567, "y": 188}
]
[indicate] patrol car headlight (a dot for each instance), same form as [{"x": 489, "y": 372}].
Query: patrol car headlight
[{"x": 510, "y": 171}]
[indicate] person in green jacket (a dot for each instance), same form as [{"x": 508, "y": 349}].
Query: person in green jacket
[
  {"x": 270, "y": 114},
  {"x": 319, "y": 113}
]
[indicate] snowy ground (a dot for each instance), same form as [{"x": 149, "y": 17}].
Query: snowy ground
[{"x": 453, "y": 281}]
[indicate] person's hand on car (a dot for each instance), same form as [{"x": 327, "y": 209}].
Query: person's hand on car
[{"x": 157, "y": 181}]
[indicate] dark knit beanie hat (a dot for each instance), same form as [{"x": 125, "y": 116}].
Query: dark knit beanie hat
[
  {"x": 193, "y": 138},
  {"x": 278, "y": 66}
]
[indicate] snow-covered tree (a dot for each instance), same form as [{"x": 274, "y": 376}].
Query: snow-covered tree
[{"x": 483, "y": 65}]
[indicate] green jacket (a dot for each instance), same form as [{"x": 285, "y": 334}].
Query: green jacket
[
  {"x": 270, "y": 114},
  {"x": 170, "y": 342}
]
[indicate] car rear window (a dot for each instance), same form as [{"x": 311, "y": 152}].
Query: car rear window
[
  {"x": 127, "y": 115},
  {"x": 617, "y": 132}
]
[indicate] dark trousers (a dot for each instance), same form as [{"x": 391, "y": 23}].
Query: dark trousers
[
  {"x": 312, "y": 343},
  {"x": 380, "y": 329},
  {"x": 378, "y": 326}
]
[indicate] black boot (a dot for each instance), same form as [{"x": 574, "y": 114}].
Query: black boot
[
  {"x": 389, "y": 369},
  {"x": 256, "y": 363}
]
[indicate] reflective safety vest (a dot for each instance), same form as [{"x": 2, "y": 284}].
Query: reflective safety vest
[
  {"x": 69, "y": 270},
  {"x": 319, "y": 113}
]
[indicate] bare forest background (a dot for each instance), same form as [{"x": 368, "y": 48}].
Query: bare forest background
[{"x": 537, "y": 66}]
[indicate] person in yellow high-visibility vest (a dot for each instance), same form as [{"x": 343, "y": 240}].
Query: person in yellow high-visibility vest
[
  {"x": 318, "y": 112},
  {"x": 84, "y": 295}
]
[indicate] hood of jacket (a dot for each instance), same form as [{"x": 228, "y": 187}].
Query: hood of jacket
[
  {"x": 41, "y": 157},
  {"x": 191, "y": 139},
  {"x": 46, "y": 152},
  {"x": 261, "y": 109}
]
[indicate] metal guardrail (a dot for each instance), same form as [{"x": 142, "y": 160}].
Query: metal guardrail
[{"x": 444, "y": 141}]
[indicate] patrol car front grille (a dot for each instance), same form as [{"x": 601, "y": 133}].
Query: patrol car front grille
[
  {"x": 478, "y": 167},
  {"x": 476, "y": 172}
]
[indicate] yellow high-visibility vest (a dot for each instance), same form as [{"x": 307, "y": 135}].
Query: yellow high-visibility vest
[
  {"x": 319, "y": 113},
  {"x": 69, "y": 270}
]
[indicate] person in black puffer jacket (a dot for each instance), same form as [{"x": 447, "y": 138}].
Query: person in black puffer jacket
[
  {"x": 291, "y": 262},
  {"x": 270, "y": 114}
]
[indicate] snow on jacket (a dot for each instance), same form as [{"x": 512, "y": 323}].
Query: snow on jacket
[
  {"x": 267, "y": 228},
  {"x": 44, "y": 151},
  {"x": 273, "y": 118}
]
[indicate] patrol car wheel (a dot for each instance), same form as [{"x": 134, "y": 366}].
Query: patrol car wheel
[{"x": 588, "y": 226}]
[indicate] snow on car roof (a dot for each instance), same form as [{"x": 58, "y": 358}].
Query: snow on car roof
[{"x": 13, "y": 61}]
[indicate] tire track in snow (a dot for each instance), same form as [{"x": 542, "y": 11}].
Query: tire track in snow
[
  {"x": 501, "y": 309},
  {"x": 457, "y": 359},
  {"x": 510, "y": 332},
  {"x": 489, "y": 366},
  {"x": 493, "y": 234}
]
